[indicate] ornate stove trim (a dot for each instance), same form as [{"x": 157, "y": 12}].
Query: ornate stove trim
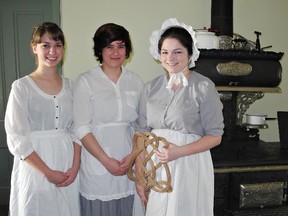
[
  {"x": 261, "y": 194},
  {"x": 234, "y": 68},
  {"x": 244, "y": 100}
]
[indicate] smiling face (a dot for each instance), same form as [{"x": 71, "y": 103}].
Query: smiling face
[
  {"x": 106, "y": 35},
  {"x": 173, "y": 55},
  {"x": 49, "y": 52},
  {"x": 114, "y": 54}
]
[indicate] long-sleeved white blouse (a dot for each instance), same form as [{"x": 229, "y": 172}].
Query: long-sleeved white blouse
[
  {"x": 29, "y": 110},
  {"x": 107, "y": 110}
]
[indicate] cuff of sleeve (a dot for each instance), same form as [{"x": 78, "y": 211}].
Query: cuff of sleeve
[
  {"x": 19, "y": 146},
  {"x": 75, "y": 140},
  {"x": 78, "y": 142},
  {"x": 26, "y": 154},
  {"x": 82, "y": 131}
]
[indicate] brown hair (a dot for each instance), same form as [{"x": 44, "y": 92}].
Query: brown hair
[
  {"x": 108, "y": 33},
  {"x": 52, "y": 29}
]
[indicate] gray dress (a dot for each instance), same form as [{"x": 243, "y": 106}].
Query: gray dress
[{"x": 183, "y": 117}]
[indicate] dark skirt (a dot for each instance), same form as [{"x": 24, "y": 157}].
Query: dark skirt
[{"x": 117, "y": 207}]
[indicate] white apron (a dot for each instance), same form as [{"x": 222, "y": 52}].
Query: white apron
[
  {"x": 36, "y": 196},
  {"x": 192, "y": 182},
  {"x": 96, "y": 182}
]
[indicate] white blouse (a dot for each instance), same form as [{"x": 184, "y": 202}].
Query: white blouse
[
  {"x": 107, "y": 110},
  {"x": 29, "y": 109}
]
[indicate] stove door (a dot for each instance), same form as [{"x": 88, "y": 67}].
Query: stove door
[
  {"x": 261, "y": 194},
  {"x": 257, "y": 189}
]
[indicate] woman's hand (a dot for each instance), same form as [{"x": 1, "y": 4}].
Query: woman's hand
[
  {"x": 173, "y": 152},
  {"x": 170, "y": 153},
  {"x": 72, "y": 174},
  {"x": 53, "y": 176},
  {"x": 56, "y": 177},
  {"x": 114, "y": 167},
  {"x": 93, "y": 147},
  {"x": 124, "y": 163},
  {"x": 142, "y": 194}
]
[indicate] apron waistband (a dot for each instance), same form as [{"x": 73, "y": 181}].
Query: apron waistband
[
  {"x": 48, "y": 133},
  {"x": 112, "y": 124}
]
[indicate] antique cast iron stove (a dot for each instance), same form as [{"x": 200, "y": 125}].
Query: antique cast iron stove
[{"x": 251, "y": 175}]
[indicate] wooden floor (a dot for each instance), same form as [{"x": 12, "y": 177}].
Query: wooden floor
[{"x": 3, "y": 210}]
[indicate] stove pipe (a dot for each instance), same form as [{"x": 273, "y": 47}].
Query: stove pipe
[{"x": 222, "y": 17}]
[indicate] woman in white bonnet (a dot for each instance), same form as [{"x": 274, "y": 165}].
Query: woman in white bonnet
[{"x": 182, "y": 106}]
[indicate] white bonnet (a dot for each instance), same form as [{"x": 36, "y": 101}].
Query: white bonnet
[{"x": 155, "y": 37}]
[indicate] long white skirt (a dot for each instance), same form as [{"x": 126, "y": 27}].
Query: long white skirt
[
  {"x": 192, "y": 182},
  {"x": 31, "y": 193}
]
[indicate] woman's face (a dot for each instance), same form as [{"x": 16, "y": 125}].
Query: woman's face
[
  {"x": 49, "y": 52},
  {"x": 114, "y": 54},
  {"x": 173, "y": 55}
]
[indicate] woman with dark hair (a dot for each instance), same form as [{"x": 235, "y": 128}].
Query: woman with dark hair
[
  {"x": 105, "y": 108},
  {"x": 182, "y": 106},
  {"x": 38, "y": 123}
]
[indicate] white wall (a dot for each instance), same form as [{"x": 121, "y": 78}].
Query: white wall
[{"x": 80, "y": 19}]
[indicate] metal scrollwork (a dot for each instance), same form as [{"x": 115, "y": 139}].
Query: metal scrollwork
[
  {"x": 244, "y": 100},
  {"x": 234, "y": 68},
  {"x": 225, "y": 96}
]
